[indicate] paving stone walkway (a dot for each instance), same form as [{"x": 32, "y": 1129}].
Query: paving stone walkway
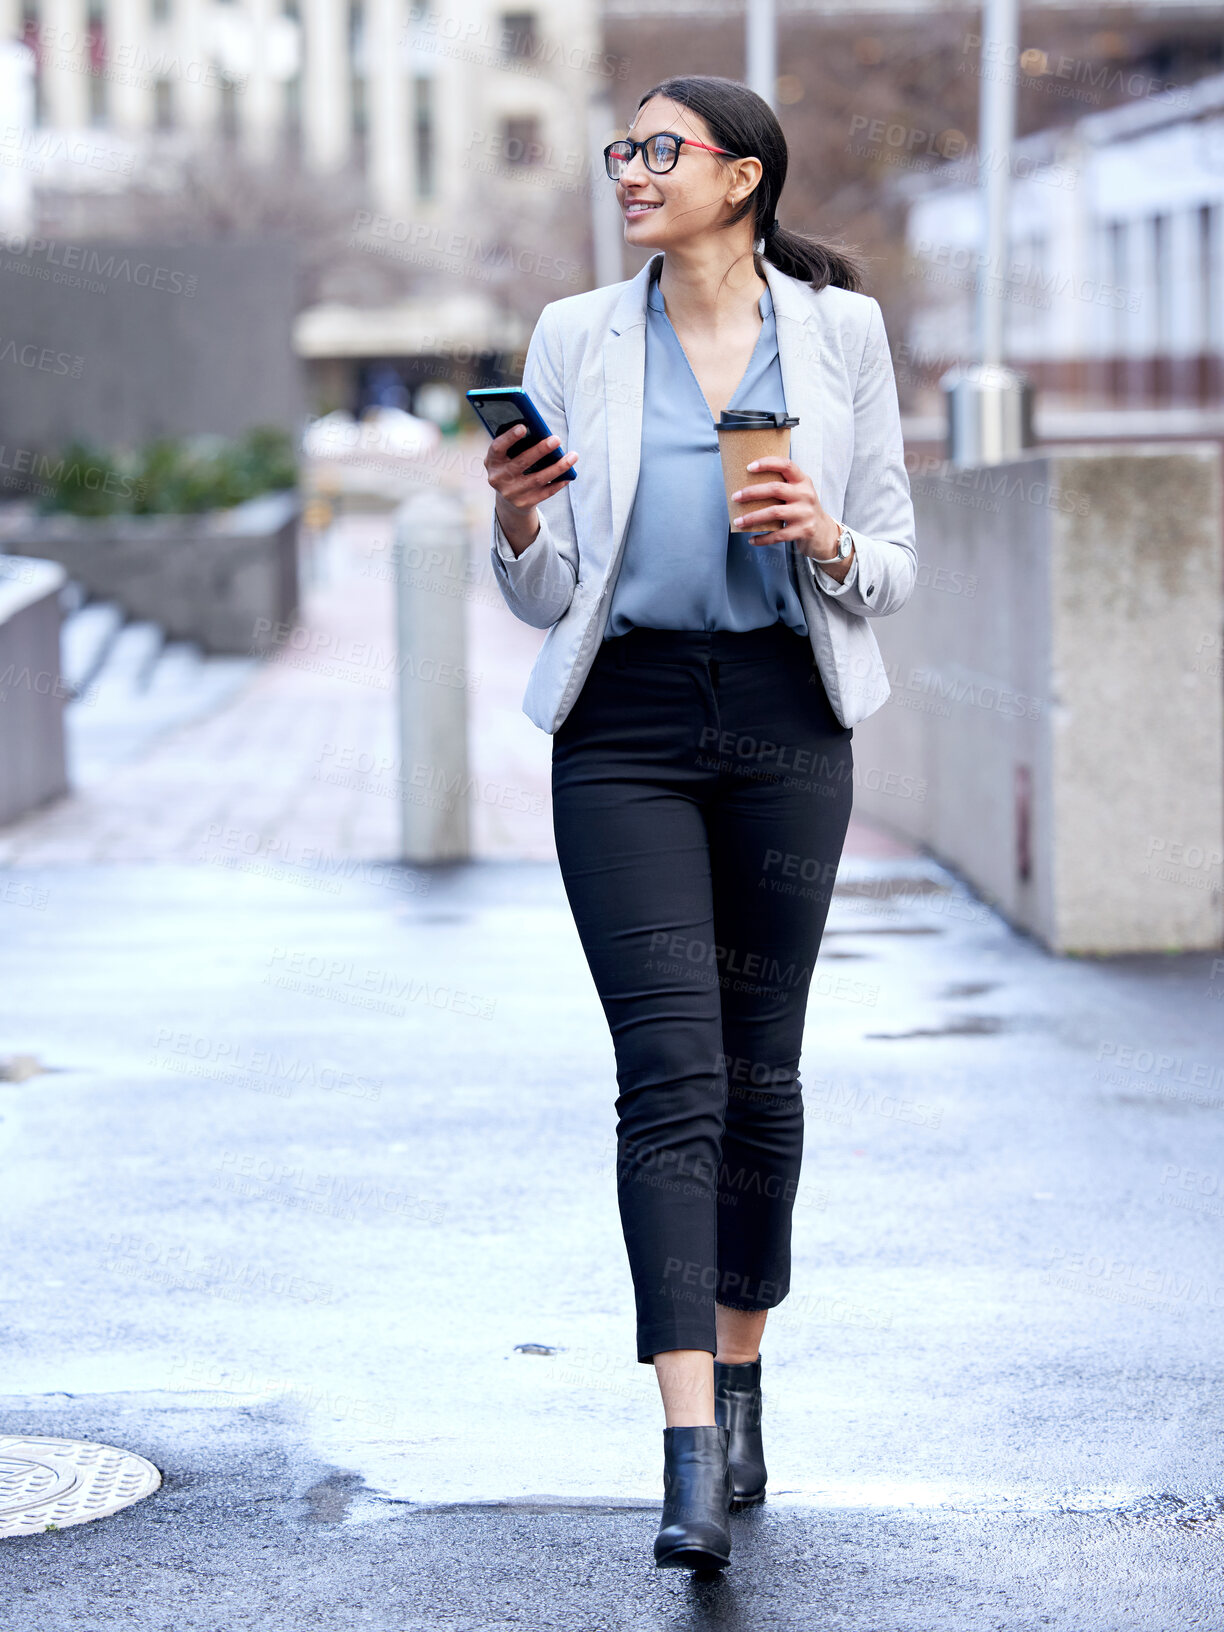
[{"x": 300, "y": 765}]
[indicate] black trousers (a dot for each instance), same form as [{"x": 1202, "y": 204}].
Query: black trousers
[{"x": 701, "y": 794}]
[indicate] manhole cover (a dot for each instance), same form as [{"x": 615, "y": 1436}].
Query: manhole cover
[{"x": 50, "y": 1483}]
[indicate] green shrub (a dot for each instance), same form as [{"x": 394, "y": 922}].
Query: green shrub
[
  {"x": 170, "y": 476},
  {"x": 87, "y": 481}
]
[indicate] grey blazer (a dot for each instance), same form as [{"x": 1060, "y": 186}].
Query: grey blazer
[{"x": 585, "y": 369}]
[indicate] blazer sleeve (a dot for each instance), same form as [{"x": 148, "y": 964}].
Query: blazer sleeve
[
  {"x": 878, "y": 508},
  {"x": 538, "y": 585}
]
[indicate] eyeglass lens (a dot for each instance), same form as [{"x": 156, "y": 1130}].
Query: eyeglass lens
[{"x": 660, "y": 153}]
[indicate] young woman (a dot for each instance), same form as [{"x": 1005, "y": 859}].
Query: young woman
[{"x": 701, "y": 681}]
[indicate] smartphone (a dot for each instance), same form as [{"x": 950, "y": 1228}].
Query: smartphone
[{"x": 500, "y": 407}]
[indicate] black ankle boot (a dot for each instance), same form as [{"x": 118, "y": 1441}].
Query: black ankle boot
[
  {"x": 694, "y": 1534},
  {"x": 737, "y": 1408}
]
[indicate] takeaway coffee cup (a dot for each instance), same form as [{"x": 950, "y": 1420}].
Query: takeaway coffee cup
[{"x": 745, "y": 434}]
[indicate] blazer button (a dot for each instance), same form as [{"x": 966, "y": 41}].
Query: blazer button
[{"x": 870, "y": 587}]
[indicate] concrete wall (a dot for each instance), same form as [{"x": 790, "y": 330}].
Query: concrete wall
[
  {"x": 32, "y": 690},
  {"x": 1056, "y": 730},
  {"x": 118, "y": 342},
  {"x": 224, "y": 579}
]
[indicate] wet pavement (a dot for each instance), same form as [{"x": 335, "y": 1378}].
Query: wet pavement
[
  {"x": 247, "y": 1537},
  {"x": 306, "y": 1188},
  {"x": 316, "y": 1161}
]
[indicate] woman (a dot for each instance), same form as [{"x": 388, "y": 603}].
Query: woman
[{"x": 701, "y": 682}]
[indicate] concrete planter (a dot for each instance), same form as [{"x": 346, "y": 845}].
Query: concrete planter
[
  {"x": 1056, "y": 728},
  {"x": 215, "y": 578}
]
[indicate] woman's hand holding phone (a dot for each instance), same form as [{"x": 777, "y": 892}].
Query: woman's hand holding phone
[{"x": 518, "y": 492}]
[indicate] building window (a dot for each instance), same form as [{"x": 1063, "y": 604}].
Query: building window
[
  {"x": 96, "y": 37},
  {"x": 291, "y": 100},
  {"x": 1163, "y": 286},
  {"x": 518, "y": 35},
  {"x": 521, "y": 143},
  {"x": 29, "y": 36},
  {"x": 228, "y": 114},
  {"x": 293, "y": 110},
  {"x": 423, "y": 133},
  {"x": 1026, "y": 319},
  {"x": 1211, "y": 295},
  {"x": 1119, "y": 276},
  {"x": 163, "y": 105},
  {"x": 358, "y": 67}
]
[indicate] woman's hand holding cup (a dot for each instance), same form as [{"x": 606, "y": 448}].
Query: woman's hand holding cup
[{"x": 795, "y": 512}]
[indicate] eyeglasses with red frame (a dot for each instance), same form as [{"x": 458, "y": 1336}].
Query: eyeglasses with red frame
[{"x": 659, "y": 153}]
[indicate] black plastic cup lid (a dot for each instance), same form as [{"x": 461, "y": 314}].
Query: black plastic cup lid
[{"x": 744, "y": 419}]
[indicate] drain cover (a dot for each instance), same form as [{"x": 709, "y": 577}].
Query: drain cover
[{"x": 50, "y": 1483}]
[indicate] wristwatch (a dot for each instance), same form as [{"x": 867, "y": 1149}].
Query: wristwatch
[{"x": 845, "y": 543}]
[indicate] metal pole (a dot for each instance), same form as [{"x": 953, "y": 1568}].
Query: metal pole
[
  {"x": 990, "y": 406},
  {"x": 996, "y": 135},
  {"x": 761, "y": 49}
]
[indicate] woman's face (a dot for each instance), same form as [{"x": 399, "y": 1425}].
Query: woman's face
[{"x": 685, "y": 201}]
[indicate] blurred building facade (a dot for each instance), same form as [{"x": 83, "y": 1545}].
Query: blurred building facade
[
  {"x": 396, "y": 89},
  {"x": 468, "y": 131},
  {"x": 428, "y": 130},
  {"x": 1114, "y": 280}
]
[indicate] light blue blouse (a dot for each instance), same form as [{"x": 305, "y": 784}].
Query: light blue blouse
[{"x": 683, "y": 567}]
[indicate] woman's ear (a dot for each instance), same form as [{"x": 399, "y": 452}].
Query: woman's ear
[{"x": 748, "y": 173}]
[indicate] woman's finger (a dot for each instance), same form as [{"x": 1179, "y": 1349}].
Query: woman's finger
[
  {"x": 782, "y": 514},
  {"x": 525, "y": 490},
  {"x": 519, "y": 460},
  {"x": 788, "y": 469},
  {"x": 537, "y": 450},
  {"x": 764, "y": 490},
  {"x": 503, "y": 443}
]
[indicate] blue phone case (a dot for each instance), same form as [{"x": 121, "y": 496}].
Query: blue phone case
[{"x": 516, "y": 408}]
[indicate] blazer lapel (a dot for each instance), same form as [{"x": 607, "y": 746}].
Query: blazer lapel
[
  {"x": 799, "y": 360},
  {"x": 624, "y": 361},
  {"x": 624, "y": 357}
]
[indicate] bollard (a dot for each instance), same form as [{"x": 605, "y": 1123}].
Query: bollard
[
  {"x": 989, "y": 414},
  {"x": 431, "y": 562}
]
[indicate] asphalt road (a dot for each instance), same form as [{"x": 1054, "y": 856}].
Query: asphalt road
[{"x": 312, "y": 1161}]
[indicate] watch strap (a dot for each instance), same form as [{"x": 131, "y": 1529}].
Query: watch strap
[{"x": 845, "y": 545}]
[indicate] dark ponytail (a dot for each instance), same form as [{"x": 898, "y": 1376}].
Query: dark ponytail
[
  {"x": 811, "y": 261},
  {"x": 744, "y": 122}
]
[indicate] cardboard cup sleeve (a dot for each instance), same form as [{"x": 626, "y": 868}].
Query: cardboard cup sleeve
[{"x": 742, "y": 437}]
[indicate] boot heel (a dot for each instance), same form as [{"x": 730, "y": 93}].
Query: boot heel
[{"x": 694, "y": 1533}]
